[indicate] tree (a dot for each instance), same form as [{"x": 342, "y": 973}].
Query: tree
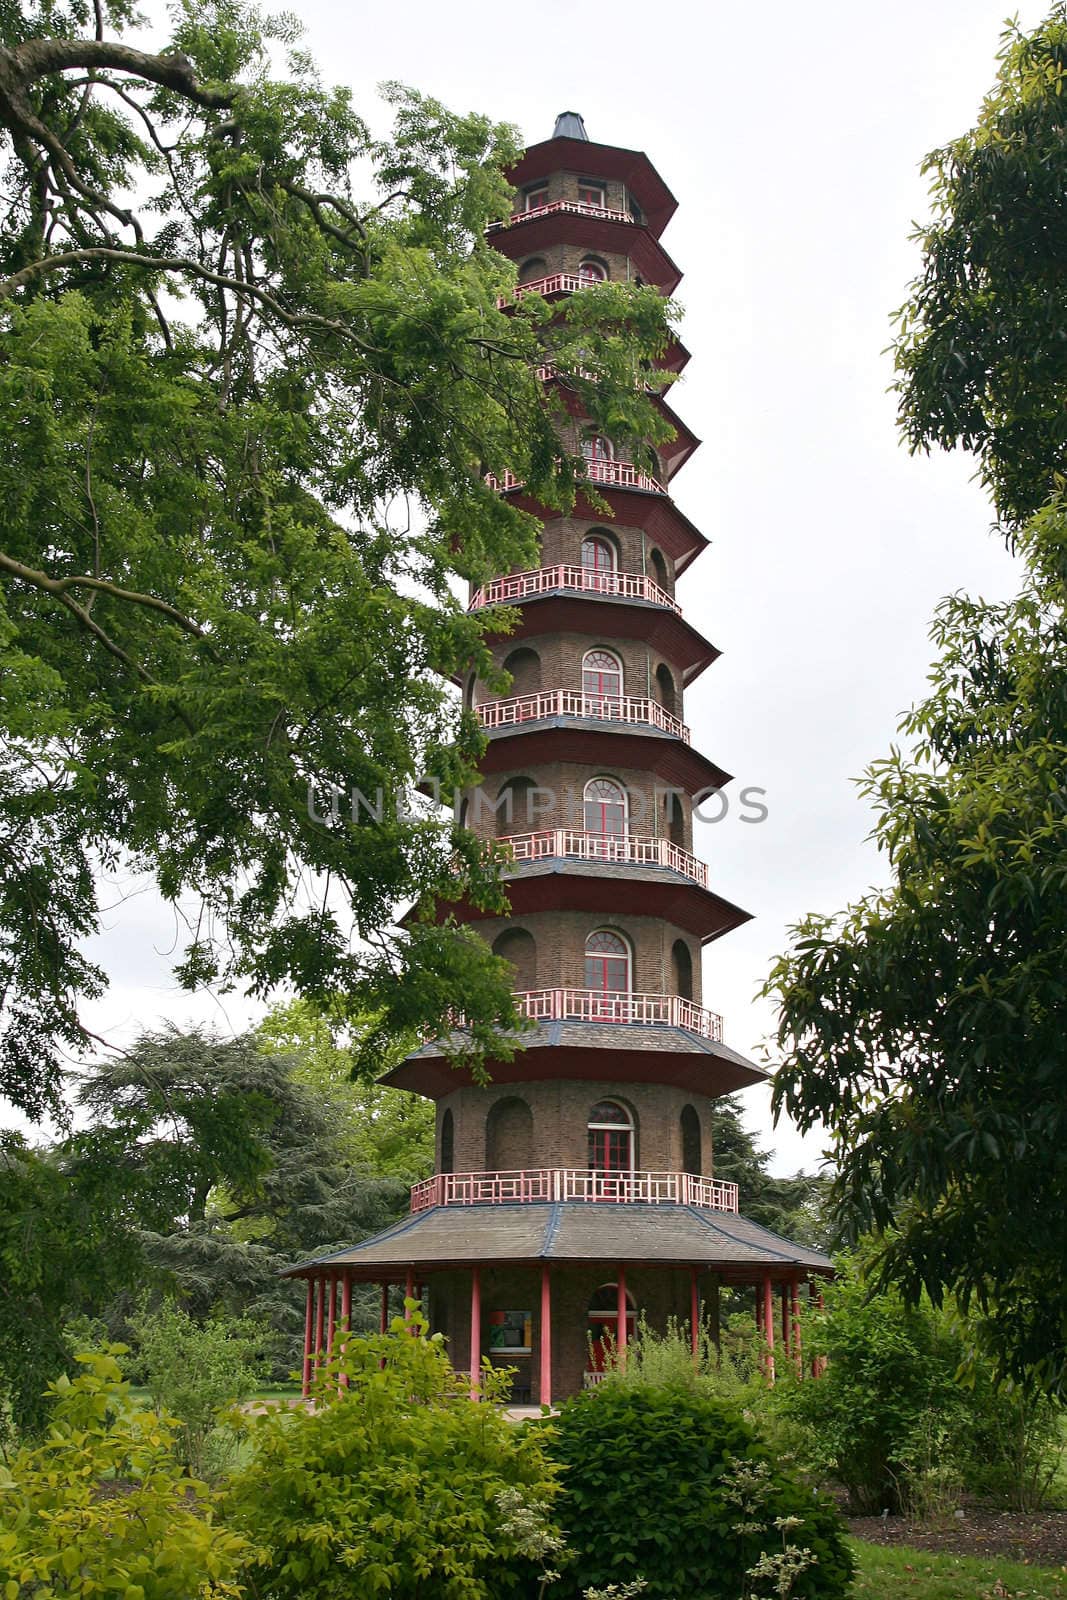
[
  {"x": 924, "y": 1026},
  {"x": 232, "y": 1169},
  {"x": 246, "y": 423},
  {"x": 793, "y": 1207},
  {"x": 980, "y": 349},
  {"x": 386, "y": 1131}
]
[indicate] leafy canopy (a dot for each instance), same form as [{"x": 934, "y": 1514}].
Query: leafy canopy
[
  {"x": 924, "y": 1026},
  {"x": 980, "y": 348},
  {"x": 253, "y": 371}
]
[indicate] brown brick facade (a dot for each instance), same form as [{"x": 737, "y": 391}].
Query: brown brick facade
[{"x": 555, "y": 1132}]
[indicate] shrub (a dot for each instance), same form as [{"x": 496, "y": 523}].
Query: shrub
[
  {"x": 891, "y": 1419},
  {"x": 667, "y": 1358},
  {"x": 103, "y": 1507},
  {"x": 671, "y": 1483},
  {"x": 392, "y": 1483},
  {"x": 193, "y": 1373}
]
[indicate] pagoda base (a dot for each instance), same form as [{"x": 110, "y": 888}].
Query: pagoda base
[{"x": 534, "y": 1286}]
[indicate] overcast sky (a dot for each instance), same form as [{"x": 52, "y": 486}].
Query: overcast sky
[{"x": 792, "y": 137}]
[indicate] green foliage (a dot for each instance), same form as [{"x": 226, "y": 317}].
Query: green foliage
[
  {"x": 674, "y": 1485},
  {"x": 386, "y": 1131},
  {"x": 194, "y": 1372},
  {"x": 666, "y": 1359},
  {"x": 794, "y": 1207},
  {"x": 922, "y": 1028},
  {"x": 907, "y": 1415},
  {"x": 228, "y": 538},
  {"x": 232, "y": 1167},
  {"x": 64, "y": 1245},
  {"x": 391, "y": 1483},
  {"x": 980, "y": 347},
  {"x": 102, "y": 1506}
]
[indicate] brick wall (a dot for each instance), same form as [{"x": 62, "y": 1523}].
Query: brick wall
[
  {"x": 558, "y": 801},
  {"x": 560, "y": 940},
  {"x": 558, "y": 1121}
]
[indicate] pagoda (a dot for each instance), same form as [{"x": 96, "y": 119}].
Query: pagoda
[{"x": 577, "y": 1191}]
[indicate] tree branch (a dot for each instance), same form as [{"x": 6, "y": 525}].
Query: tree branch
[
  {"x": 59, "y": 587},
  {"x": 37, "y": 58}
]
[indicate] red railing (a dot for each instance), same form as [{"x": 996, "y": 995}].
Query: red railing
[
  {"x": 629, "y": 849},
  {"x": 580, "y": 208},
  {"x": 554, "y": 283},
  {"x": 598, "y": 1005},
  {"x": 542, "y": 580},
  {"x": 573, "y": 703},
  {"x": 545, "y": 1184},
  {"x": 623, "y": 474}
]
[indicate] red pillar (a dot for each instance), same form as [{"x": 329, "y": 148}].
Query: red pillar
[
  {"x": 694, "y": 1314},
  {"x": 383, "y": 1320},
  {"x": 818, "y": 1366},
  {"x": 409, "y": 1292},
  {"x": 346, "y": 1316},
  {"x": 309, "y": 1315},
  {"x": 476, "y": 1333},
  {"x": 794, "y": 1321},
  {"x": 620, "y": 1323},
  {"x": 786, "y": 1334},
  {"x": 320, "y": 1308},
  {"x": 331, "y": 1321},
  {"x": 768, "y": 1324},
  {"x": 545, "y": 1390}
]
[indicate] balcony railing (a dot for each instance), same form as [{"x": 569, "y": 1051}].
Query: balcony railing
[
  {"x": 626, "y": 849},
  {"x": 573, "y": 703},
  {"x": 554, "y": 283},
  {"x": 579, "y": 208},
  {"x": 548, "y": 1184},
  {"x": 542, "y": 580},
  {"x": 599, "y": 1005},
  {"x": 622, "y": 474}
]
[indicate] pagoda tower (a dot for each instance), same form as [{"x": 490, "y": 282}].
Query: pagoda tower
[{"x": 577, "y": 1190}]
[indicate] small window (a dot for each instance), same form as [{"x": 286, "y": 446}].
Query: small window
[
  {"x": 601, "y": 675},
  {"x": 595, "y": 448},
  {"x": 533, "y": 270},
  {"x": 611, "y": 1138},
  {"x": 607, "y": 963},
  {"x": 535, "y": 197},
  {"x": 691, "y": 1153},
  {"x": 605, "y": 808},
  {"x": 591, "y": 193},
  {"x": 598, "y": 555},
  {"x": 592, "y": 271},
  {"x": 448, "y": 1142}
]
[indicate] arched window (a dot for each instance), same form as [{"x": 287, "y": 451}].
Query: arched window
[
  {"x": 530, "y": 271},
  {"x": 515, "y": 811},
  {"x": 666, "y": 693},
  {"x": 611, "y": 1138},
  {"x": 605, "y": 808},
  {"x": 691, "y": 1155},
  {"x": 659, "y": 570},
  {"x": 607, "y": 969},
  {"x": 525, "y": 668},
  {"x": 448, "y": 1142},
  {"x": 592, "y": 271},
  {"x": 601, "y": 677},
  {"x": 596, "y": 448},
  {"x": 599, "y": 557},
  {"x": 682, "y": 969},
  {"x": 464, "y": 812},
  {"x": 675, "y": 814},
  {"x": 518, "y": 947},
  {"x": 509, "y": 1135},
  {"x": 535, "y": 196}
]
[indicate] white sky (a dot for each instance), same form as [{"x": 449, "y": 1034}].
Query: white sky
[{"x": 792, "y": 137}]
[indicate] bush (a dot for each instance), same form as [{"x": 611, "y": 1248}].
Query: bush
[
  {"x": 892, "y": 1420},
  {"x": 672, "y": 1484},
  {"x": 667, "y": 1358},
  {"x": 395, "y": 1484},
  {"x": 194, "y": 1373},
  {"x": 103, "y": 1507}
]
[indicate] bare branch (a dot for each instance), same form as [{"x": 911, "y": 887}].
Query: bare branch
[{"x": 37, "y": 58}]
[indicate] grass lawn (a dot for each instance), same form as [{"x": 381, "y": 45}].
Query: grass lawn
[{"x": 902, "y": 1574}]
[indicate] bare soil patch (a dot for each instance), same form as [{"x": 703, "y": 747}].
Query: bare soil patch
[{"x": 1036, "y": 1538}]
